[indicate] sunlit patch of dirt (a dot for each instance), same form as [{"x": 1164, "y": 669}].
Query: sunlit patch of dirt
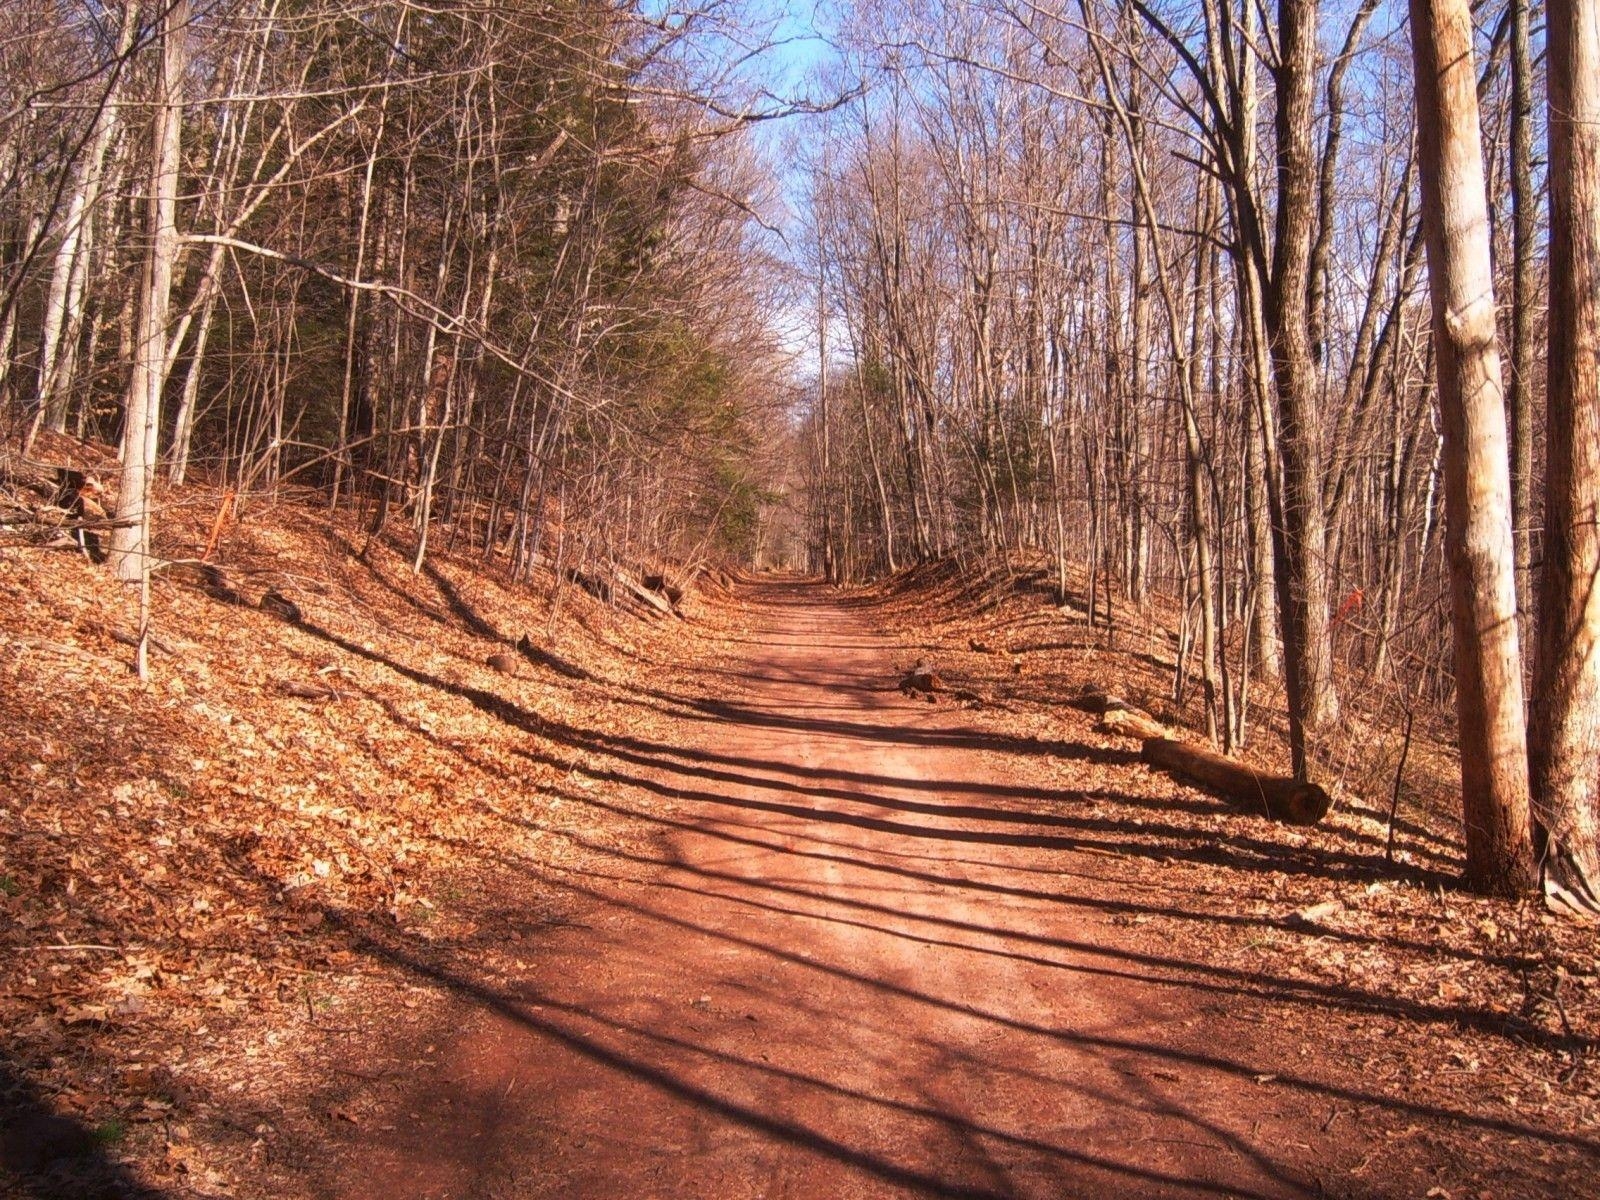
[
  {"x": 189, "y": 866},
  {"x": 1494, "y": 999},
  {"x": 231, "y": 916}
]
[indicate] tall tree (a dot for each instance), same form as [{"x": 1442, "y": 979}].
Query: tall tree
[
  {"x": 1519, "y": 394},
  {"x": 130, "y": 541},
  {"x": 1303, "y": 584},
  {"x": 1494, "y": 771},
  {"x": 1566, "y": 728}
]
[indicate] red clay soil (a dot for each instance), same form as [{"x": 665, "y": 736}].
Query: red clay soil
[
  {"x": 708, "y": 908},
  {"x": 855, "y": 948}
]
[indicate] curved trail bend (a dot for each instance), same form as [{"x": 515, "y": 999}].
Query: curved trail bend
[{"x": 851, "y": 966}]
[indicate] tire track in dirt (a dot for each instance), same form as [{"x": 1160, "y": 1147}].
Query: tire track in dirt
[{"x": 842, "y": 975}]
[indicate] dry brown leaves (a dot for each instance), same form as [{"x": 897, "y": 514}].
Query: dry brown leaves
[
  {"x": 193, "y": 871},
  {"x": 1382, "y": 971},
  {"x": 202, "y": 878}
]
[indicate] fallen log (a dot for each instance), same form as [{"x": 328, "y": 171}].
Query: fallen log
[
  {"x": 275, "y": 602},
  {"x": 1282, "y": 798},
  {"x": 1119, "y": 717},
  {"x": 130, "y": 637},
  {"x": 307, "y": 691},
  {"x": 595, "y": 585},
  {"x": 1131, "y": 722},
  {"x": 658, "y": 583},
  {"x": 638, "y": 591},
  {"x": 208, "y": 577}
]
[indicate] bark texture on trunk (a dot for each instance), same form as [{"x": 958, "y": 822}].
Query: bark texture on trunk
[
  {"x": 1489, "y": 694},
  {"x": 1519, "y": 393},
  {"x": 130, "y": 541},
  {"x": 1289, "y": 800},
  {"x": 1566, "y": 731},
  {"x": 1301, "y": 532}
]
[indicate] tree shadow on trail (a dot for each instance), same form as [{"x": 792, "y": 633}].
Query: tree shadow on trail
[
  {"x": 1192, "y": 973},
  {"x": 49, "y": 1156},
  {"x": 678, "y": 897},
  {"x": 1236, "y": 852},
  {"x": 686, "y": 1066},
  {"x": 852, "y": 855},
  {"x": 717, "y": 1084},
  {"x": 672, "y": 785}
]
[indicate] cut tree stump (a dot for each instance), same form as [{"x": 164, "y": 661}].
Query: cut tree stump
[
  {"x": 1281, "y": 798},
  {"x": 924, "y": 681}
]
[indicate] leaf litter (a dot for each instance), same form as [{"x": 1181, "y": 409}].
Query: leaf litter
[{"x": 201, "y": 877}]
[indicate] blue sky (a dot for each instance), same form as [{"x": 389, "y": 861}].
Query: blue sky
[
  {"x": 802, "y": 46},
  {"x": 786, "y": 70}
]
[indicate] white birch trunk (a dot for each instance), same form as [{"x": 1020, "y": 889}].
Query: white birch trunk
[
  {"x": 64, "y": 302},
  {"x": 130, "y": 541}
]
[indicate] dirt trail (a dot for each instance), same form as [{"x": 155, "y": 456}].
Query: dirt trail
[{"x": 851, "y": 966}]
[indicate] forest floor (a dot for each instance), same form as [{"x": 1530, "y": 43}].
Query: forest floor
[{"x": 707, "y": 907}]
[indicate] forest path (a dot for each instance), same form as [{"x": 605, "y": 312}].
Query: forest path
[{"x": 855, "y": 962}]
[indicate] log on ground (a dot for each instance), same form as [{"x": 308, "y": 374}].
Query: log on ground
[
  {"x": 656, "y": 602},
  {"x": 1282, "y": 798},
  {"x": 1119, "y": 717},
  {"x": 1131, "y": 722}
]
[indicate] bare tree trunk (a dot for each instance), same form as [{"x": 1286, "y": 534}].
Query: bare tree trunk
[
  {"x": 1135, "y": 578},
  {"x": 1519, "y": 395},
  {"x": 830, "y": 564},
  {"x": 1494, "y": 777},
  {"x": 1566, "y": 731},
  {"x": 1327, "y": 175},
  {"x": 1266, "y": 650},
  {"x": 189, "y": 398},
  {"x": 1302, "y": 565},
  {"x": 64, "y": 306},
  {"x": 885, "y": 513},
  {"x": 352, "y": 335},
  {"x": 1197, "y": 467},
  {"x": 1231, "y": 51},
  {"x": 1185, "y": 349},
  {"x": 130, "y": 541}
]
